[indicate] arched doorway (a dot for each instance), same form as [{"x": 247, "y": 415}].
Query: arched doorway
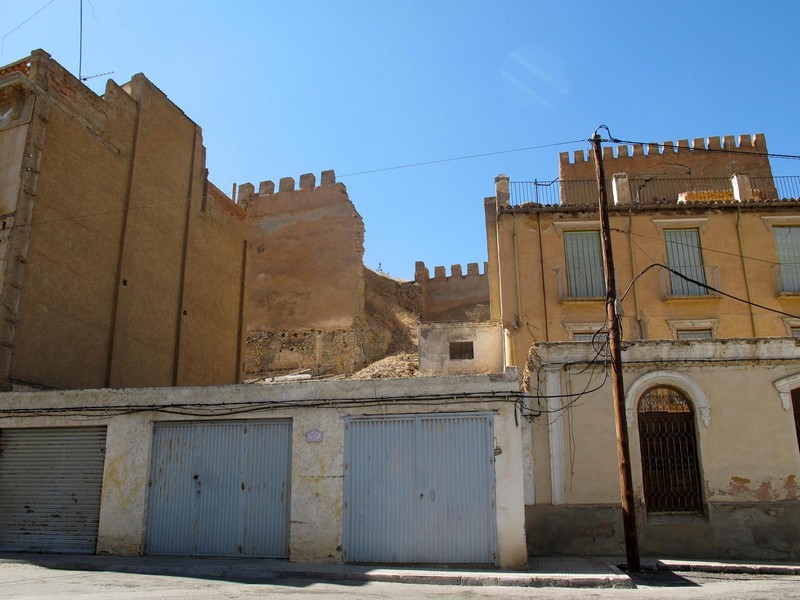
[{"x": 670, "y": 465}]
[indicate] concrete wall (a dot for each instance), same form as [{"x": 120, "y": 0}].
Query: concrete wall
[
  {"x": 528, "y": 282},
  {"x": 459, "y": 297},
  {"x": 118, "y": 260},
  {"x": 747, "y": 445},
  {"x": 317, "y": 468},
  {"x": 434, "y": 348}
]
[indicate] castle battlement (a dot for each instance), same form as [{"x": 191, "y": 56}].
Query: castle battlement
[
  {"x": 745, "y": 142},
  {"x": 422, "y": 274},
  {"x": 308, "y": 181}
]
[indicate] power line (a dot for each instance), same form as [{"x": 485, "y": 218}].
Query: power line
[
  {"x": 705, "y": 248},
  {"x": 686, "y": 148},
  {"x": 3, "y": 42},
  {"x": 456, "y": 158},
  {"x": 703, "y": 285}
]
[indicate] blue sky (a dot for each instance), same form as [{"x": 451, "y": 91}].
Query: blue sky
[{"x": 285, "y": 88}]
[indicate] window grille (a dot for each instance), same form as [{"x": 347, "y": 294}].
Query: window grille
[
  {"x": 787, "y": 241},
  {"x": 695, "y": 334},
  {"x": 461, "y": 351},
  {"x": 670, "y": 466},
  {"x": 684, "y": 255},
  {"x": 584, "y": 336},
  {"x": 585, "y": 277}
]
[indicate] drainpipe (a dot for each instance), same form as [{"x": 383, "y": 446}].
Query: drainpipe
[
  {"x": 541, "y": 266},
  {"x": 516, "y": 272},
  {"x": 634, "y": 271},
  {"x": 746, "y": 274}
]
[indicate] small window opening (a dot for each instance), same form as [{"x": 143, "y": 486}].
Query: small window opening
[
  {"x": 461, "y": 351},
  {"x": 695, "y": 334}
]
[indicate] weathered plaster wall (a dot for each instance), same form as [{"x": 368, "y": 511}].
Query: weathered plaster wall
[
  {"x": 317, "y": 468},
  {"x": 434, "y": 348},
  {"x": 541, "y": 310},
  {"x": 459, "y": 297},
  {"x": 748, "y": 451},
  {"x": 122, "y": 273}
]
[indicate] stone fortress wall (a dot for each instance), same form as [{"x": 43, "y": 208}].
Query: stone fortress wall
[{"x": 458, "y": 297}]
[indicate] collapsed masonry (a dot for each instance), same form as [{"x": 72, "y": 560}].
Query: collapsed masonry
[{"x": 311, "y": 303}]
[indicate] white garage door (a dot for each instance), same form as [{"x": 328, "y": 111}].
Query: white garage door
[
  {"x": 220, "y": 489},
  {"x": 50, "y": 485},
  {"x": 420, "y": 489}
]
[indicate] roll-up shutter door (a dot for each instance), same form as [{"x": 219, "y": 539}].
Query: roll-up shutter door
[
  {"x": 220, "y": 489},
  {"x": 420, "y": 489},
  {"x": 50, "y": 485}
]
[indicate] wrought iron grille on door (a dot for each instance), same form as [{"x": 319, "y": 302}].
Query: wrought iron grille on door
[{"x": 670, "y": 466}]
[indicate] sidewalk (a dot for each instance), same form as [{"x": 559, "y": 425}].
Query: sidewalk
[{"x": 574, "y": 572}]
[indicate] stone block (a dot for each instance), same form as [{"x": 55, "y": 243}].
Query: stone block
[
  {"x": 266, "y": 188},
  {"x": 308, "y": 181},
  {"x": 286, "y": 184}
]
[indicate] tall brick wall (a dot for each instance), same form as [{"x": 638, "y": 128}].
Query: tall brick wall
[{"x": 119, "y": 273}]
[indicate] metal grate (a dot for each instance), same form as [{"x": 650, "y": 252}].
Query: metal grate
[
  {"x": 670, "y": 466},
  {"x": 461, "y": 351}
]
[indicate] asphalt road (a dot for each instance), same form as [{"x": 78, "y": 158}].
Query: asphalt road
[{"x": 31, "y": 581}]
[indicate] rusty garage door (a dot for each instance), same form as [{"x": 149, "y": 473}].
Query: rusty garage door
[
  {"x": 50, "y": 484},
  {"x": 220, "y": 489},
  {"x": 420, "y": 489}
]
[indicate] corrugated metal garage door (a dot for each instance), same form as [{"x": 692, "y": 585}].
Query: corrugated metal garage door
[
  {"x": 420, "y": 489},
  {"x": 50, "y": 485},
  {"x": 220, "y": 489}
]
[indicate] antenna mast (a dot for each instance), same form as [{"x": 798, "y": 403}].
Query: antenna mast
[{"x": 80, "y": 45}]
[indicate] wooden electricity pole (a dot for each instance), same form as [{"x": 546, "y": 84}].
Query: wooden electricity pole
[{"x": 623, "y": 450}]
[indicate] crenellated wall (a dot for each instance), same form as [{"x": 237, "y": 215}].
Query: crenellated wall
[
  {"x": 703, "y": 158},
  {"x": 305, "y": 289},
  {"x": 459, "y": 297}
]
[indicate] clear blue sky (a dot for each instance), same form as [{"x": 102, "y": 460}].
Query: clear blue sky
[{"x": 285, "y": 88}]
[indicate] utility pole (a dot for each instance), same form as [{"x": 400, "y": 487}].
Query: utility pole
[{"x": 623, "y": 450}]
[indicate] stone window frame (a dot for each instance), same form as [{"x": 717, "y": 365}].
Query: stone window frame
[
  {"x": 676, "y": 325},
  {"x": 580, "y": 328},
  {"x": 679, "y": 381}
]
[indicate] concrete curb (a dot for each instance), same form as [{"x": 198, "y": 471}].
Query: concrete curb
[
  {"x": 267, "y": 571},
  {"x": 733, "y": 567}
]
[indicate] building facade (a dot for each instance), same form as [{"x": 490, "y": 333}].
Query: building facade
[
  {"x": 707, "y": 261},
  {"x": 389, "y": 471}
]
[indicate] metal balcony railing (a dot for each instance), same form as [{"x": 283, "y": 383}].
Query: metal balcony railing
[
  {"x": 581, "y": 191},
  {"x": 651, "y": 190}
]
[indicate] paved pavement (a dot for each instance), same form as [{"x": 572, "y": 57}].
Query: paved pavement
[{"x": 542, "y": 572}]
